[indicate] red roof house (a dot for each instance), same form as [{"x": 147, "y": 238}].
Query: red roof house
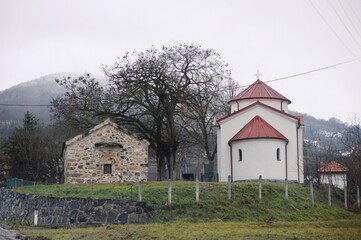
[{"x": 333, "y": 173}]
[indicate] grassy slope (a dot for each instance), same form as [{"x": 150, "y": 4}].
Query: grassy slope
[
  {"x": 213, "y": 205},
  {"x": 330, "y": 230}
]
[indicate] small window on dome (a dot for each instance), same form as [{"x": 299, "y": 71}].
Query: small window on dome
[{"x": 278, "y": 154}]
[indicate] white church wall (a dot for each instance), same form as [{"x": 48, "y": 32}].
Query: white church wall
[
  {"x": 231, "y": 125},
  {"x": 259, "y": 157}
]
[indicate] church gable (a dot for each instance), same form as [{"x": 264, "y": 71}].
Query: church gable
[
  {"x": 106, "y": 154},
  {"x": 257, "y": 128},
  {"x": 265, "y": 108}
]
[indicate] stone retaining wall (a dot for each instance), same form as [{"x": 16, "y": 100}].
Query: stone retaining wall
[{"x": 69, "y": 211}]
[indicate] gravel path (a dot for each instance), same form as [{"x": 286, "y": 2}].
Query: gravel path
[{"x": 7, "y": 234}]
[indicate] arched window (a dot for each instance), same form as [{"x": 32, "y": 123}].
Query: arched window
[
  {"x": 240, "y": 154},
  {"x": 278, "y": 154}
]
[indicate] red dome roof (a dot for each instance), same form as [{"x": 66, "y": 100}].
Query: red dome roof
[
  {"x": 258, "y": 128},
  {"x": 259, "y": 90},
  {"x": 332, "y": 167}
]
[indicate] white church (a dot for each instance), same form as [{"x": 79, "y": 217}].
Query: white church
[{"x": 260, "y": 137}]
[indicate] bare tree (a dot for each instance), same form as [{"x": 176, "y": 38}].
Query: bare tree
[
  {"x": 146, "y": 93},
  {"x": 352, "y": 151}
]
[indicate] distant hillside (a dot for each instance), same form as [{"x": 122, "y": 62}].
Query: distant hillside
[
  {"x": 35, "y": 92},
  {"x": 313, "y": 125},
  {"x": 41, "y": 91}
]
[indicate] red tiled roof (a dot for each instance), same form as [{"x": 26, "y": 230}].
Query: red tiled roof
[
  {"x": 259, "y": 90},
  {"x": 257, "y": 128},
  {"x": 300, "y": 119},
  {"x": 332, "y": 167}
]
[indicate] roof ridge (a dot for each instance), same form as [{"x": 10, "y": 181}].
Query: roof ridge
[{"x": 259, "y": 89}]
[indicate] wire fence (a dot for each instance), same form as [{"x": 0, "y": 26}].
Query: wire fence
[
  {"x": 16, "y": 182},
  {"x": 173, "y": 193},
  {"x": 315, "y": 193}
]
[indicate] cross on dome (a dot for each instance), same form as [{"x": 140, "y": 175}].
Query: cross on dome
[{"x": 258, "y": 74}]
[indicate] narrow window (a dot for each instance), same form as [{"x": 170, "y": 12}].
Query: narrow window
[
  {"x": 107, "y": 169},
  {"x": 278, "y": 154},
  {"x": 240, "y": 154}
]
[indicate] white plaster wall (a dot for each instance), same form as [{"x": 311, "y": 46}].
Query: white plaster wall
[
  {"x": 230, "y": 126},
  {"x": 336, "y": 179},
  {"x": 275, "y": 103},
  {"x": 259, "y": 158}
]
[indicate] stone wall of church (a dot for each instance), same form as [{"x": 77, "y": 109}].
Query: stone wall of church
[{"x": 107, "y": 154}]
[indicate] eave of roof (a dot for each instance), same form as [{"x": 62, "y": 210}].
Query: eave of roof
[
  {"x": 258, "y": 128},
  {"x": 298, "y": 118},
  {"x": 259, "y": 90},
  {"x": 332, "y": 167}
]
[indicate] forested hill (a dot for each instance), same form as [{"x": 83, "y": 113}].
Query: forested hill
[
  {"x": 35, "y": 92},
  {"x": 315, "y": 126},
  {"x": 40, "y": 91}
]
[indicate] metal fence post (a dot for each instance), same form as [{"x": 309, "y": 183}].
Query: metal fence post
[
  {"x": 140, "y": 191},
  {"x": 311, "y": 194},
  {"x": 358, "y": 196},
  {"x": 260, "y": 187},
  {"x": 329, "y": 195},
  {"x": 286, "y": 189},
  {"x": 345, "y": 195},
  {"x": 197, "y": 190},
  {"x": 229, "y": 188},
  {"x": 169, "y": 193}
]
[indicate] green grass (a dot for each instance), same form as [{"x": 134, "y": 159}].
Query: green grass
[
  {"x": 330, "y": 230},
  {"x": 213, "y": 205},
  {"x": 214, "y": 217}
]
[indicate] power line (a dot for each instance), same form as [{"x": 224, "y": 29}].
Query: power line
[
  {"x": 352, "y": 9},
  {"x": 331, "y": 28},
  {"x": 24, "y": 105},
  {"x": 343, "y": 23},
  {"x": 267, "y": 81},
  {"x": 314, "y": 70},
  {"x": 349, "y": 18}
]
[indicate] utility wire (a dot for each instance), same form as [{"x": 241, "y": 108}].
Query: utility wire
[
  {"x": 267, "y": 81},
  {"x": 357, "y": 17},
  {"x": 349, "y": 18},
  {"x": 25, "y": 105},
  {"x": 314, "y": 70},
  {"x": 331, "y": 28},
  {"x": 343, "y": 23}
]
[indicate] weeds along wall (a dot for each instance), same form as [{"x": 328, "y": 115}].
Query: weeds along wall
[{"x": 69, "y": 211}]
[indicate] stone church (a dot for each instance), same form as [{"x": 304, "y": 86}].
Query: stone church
[
  {"x": 260, "y": 137},
  {"x": 106, "y": 154}
]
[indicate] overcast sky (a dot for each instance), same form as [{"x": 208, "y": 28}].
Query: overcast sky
[{"x": 279, "y": 37}]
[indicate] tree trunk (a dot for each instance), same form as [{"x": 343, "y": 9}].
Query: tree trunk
[{"x": 160, "y": 161}]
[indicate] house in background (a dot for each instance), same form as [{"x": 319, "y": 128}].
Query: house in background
[
  {"x": 333, "y": 173},
  {"x": 260, "y": 137},
  {"x": 106, "y": 154}
]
